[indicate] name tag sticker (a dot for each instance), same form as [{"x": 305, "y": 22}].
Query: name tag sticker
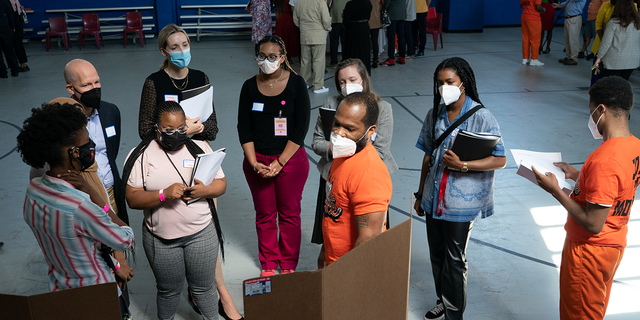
[
  {"x": 280, "y": 126},
  {"x": 257, "y": 286},
  {"x": 171, "y": 97},
  {"x": 258, "y": 106},
  {"x": 111, "y": 131},
  {"x": 188, "y": 163}
]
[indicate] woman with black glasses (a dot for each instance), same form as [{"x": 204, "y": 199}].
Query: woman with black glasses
[{"x": 273, "y": 119}]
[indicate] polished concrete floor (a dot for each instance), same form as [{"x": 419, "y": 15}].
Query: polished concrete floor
[{"x": 513, "y": 256}]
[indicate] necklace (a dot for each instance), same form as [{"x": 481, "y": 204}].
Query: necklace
[
  {"x": 181, "y": 87},
  {"x": 271, "y": 84}
]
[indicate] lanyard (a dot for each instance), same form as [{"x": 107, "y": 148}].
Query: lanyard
[{"x": 174, "y": 166}]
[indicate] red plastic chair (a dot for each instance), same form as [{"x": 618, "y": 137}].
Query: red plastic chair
[
  {"x": 134, "y": 25},
  {"x": 434, "y": 27},
  {"x": 431, "y": 14},
  {"x": 91, "y": 25},
  {"x": 58, "y": 27}
]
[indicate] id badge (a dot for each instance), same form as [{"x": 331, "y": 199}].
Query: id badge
[{"x": 280, "y": 125}]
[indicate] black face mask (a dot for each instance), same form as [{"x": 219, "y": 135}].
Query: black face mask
[
  {"x": 172, "y": 142},
  {"x": 91, "y": 98},
  {"x": 87, "y": 155}
]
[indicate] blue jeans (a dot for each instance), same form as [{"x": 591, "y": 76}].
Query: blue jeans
[{"x": 396, "y": 28}]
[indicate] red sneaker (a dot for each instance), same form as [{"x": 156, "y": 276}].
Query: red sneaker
[
  {"x": 286, "y": 271},
  {"x": 389, "y": 62},
  {"x": 268, "y": 273},
  {"x": 401, "y": 60}
]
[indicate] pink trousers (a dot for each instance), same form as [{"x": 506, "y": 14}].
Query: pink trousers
[{"x": 277, "y": 204}]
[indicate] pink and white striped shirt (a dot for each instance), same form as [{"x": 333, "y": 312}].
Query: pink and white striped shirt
[{"x": 70, "y": 230}]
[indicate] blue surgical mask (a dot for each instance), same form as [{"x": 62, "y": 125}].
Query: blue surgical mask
[{"x": 181, "y": 59}]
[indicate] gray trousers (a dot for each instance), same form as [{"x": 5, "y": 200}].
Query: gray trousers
[{"x": 193, "y": 257}]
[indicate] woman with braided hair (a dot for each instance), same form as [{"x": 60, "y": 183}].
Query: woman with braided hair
[
  {"x": 179, "y": 240},
  {"x": 452, "y": 192},
  {"x": 273, "y": 119}
]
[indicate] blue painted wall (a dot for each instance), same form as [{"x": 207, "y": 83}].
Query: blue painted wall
[{"x": 457, "y": 14}]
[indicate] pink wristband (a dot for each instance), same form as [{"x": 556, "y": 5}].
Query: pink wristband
[
  {"x": 161, "y": 195},
  {"x": 106, "y": 207},
  {"x": 117, "y": 266}
]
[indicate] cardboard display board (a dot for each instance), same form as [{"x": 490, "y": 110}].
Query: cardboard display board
[
  {"x": 369, "y": 282},
  {"x": 99, "y": 302}
]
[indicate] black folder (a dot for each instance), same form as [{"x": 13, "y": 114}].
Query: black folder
[
  {"x": 326, "y": 116},
  {"x": 469, "y": 146}
]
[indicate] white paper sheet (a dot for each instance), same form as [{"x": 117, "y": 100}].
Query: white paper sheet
[
  {"x": 199, "y": 106},
  {"x": 208, "y": 166},
  {"x": 543, "y": 162}
]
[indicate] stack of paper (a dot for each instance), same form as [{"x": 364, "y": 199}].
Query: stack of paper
[
  {"x": 543, "y": 162},
  {"x": 206, "y": 167},
  {"x": 198, "y": 102}
]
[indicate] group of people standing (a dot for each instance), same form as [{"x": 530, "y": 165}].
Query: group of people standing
[
  {"x": 182, "y": 234},
  {"x": 11, "y": 35},
  {"x": 614, "y": 25}
]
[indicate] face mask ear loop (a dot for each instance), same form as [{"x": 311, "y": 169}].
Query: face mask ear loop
[{"x": 70, "y": 151}]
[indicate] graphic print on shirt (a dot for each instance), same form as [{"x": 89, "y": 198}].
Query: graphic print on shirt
[
  {"x": 576, "y": 189},
  {"x": 623, "y": 207},
  {"x": 330, "y": 208}
]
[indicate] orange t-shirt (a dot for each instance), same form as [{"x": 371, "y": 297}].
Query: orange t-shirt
[
  {"x": 529, "y": 12},
  {"x": 356, "y": 185},
  {"x": 609, "y": 178}
]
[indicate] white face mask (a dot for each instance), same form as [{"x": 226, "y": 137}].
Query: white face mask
[
  {"x": 268, "y": 67},
  {"x": 450, "y": 94},
  {"x": 350, "y": 88},
  {"x": 344, "y": 147},
  {"x": 593, "y": 127}
]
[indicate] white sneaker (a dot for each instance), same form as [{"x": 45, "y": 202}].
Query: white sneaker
[
  {"x": 525, "y": 61},
  {"x": 536, "y": 63},
  {"x": 323, "y": 90}
]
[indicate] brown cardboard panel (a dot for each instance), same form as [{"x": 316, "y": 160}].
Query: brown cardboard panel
[
  {"x": 14, "y": 307},
  {"x": 99, "y": 302},
  {"x": 371, "y": 281},
  {"x": 294, "y": 296}
]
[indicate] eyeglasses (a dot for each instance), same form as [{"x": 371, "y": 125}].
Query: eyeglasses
[
  {"x": 271, "y": 58},
  {"x": 181, "y": 130}
]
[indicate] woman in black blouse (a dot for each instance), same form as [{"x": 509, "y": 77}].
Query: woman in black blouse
[
  {"x": 168, "y": 84},
  {"x": 273, "y": 119},
  {"x": 355, "y": 18},
  {"x": 173, "y": 78}
]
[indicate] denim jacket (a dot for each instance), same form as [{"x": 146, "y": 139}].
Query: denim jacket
[{"x": 467, "y": 194}]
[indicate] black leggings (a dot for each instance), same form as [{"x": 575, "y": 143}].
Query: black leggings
[
  {"x": 625, "y": 74},
  {"x": 448, "y": 249}
]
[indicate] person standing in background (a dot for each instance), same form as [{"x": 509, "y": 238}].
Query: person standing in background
[
  {"x": 408, "y": 23},
  {"x": 531, "y": 30},
  {"x": 572, "y": 26},
  {"x": 374, "y": 31},
  {"x": 357, "y": 40},
  {"x": 18, "y": 35},
  {"x": 286, "y": 29},
  {"x": 6, "y": 43},
  {"x": 419, "y": 34},
  {"x": 590, "y": 28},
  {"x": 261, "y": 17},
  {"x": 548, "y": 19},
  {"x": 337, "y": 34},
  {"x": 397, "y": 10},
  {"x": 312, "y": 17}
]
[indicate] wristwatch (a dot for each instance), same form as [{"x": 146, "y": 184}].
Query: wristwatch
[{"x": 464, "y": 167}]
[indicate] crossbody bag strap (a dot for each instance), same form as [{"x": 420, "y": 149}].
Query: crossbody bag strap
[{"x": 455, "y": 125}]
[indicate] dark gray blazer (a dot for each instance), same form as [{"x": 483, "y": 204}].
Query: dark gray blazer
[{"x": 397, "y": 9}]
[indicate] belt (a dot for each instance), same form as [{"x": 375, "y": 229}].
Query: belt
[
  {"x": 360, "y": 21},
  {"x": 574, "y": 16}
]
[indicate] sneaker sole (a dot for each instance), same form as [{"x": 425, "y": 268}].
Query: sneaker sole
[{"x": 438, "y": 318}]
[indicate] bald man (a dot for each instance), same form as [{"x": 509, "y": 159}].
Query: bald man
[{"x": 83, "y": 83}]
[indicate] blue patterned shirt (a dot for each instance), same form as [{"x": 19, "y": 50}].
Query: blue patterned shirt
[{"x": 467, "y": 194}]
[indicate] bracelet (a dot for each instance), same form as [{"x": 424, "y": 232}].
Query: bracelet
[
  {"x": 254, "y": 166},
  {"x": 161, "y": 195},
  {"x": 417, "y": 196},
  {"x": 280, "y": 163},
  {"x": 106, "y": 207}
]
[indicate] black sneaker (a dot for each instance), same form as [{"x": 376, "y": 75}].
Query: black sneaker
[
  {"x": 589, "y": 56},
  {"x": 580, "y": 55},
  {"x": 437, "y": 313}
]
